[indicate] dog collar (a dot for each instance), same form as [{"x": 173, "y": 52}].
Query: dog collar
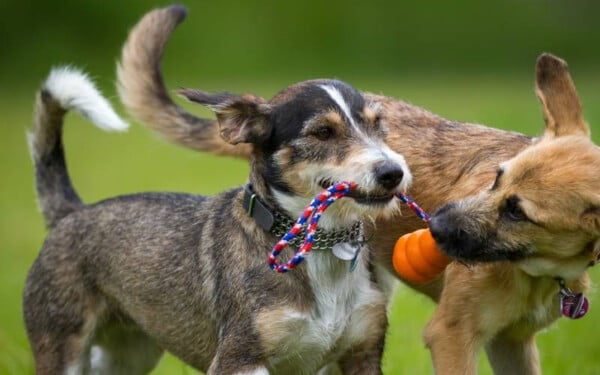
[
  {"x": 574, "y": 305},
  {"x": 278, "y": 223}
]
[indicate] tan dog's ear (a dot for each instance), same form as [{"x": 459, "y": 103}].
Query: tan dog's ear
[
  {"x": 242, "y": 118},
  {"x": 591, "y": 223},
  {"x": 591, "y": 219},
  {"x": 560, "y": 102}
]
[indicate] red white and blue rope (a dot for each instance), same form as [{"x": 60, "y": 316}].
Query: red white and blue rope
[
  {"x": 414, "y": 207},
  {"x": 313, "y": 213}
]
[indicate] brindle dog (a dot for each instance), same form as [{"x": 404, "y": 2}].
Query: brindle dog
[
  {"x": 119, "y": 281},
  {"x": 543, "y": 208}
]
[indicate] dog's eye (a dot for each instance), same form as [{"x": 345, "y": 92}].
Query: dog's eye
[
  {"x": 499, "y": 174},
  {"x": 377, "y": 120},
  {"x": 513, "y": 211},
  {"x": 324, "y": 133}
]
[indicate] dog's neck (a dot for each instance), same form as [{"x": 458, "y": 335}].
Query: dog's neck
[{"x": 337, "y": 217}]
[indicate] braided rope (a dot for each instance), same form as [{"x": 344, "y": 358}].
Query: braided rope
[
  {"x": 414, "y": 207},
  {"x": 313, "y": 212}
]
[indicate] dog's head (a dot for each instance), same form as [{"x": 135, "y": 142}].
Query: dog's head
[
  {"x": 543, "y": 209},
  {"x": 309, "y": 136}
]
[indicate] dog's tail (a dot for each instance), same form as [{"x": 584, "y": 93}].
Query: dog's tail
[
  {"x": 65, "y": 89},
  {"x": 143, "y": 93}
]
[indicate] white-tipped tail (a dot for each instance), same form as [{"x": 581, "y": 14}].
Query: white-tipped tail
[
  {"x": 74, "y": 90},
  {"x": 65, "y": 89}
]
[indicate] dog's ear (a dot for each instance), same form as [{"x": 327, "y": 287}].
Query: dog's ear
[
  {"x": 591, "y": 219},
  {"x": 242, "y": 118},
  {"x": 559, "y": 99}
]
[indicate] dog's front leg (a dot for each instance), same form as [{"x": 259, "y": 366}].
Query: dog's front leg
[
  {"x": 365, "y": 356},
  {"x": 238, "y": 354},
  {"x": 513, "y": 356},
  {"x": 453, "y": 343},
  {"x": 254, "y": 369},
  {"x": 365, "y": 361},
  {"x": 366, "y": 338}
]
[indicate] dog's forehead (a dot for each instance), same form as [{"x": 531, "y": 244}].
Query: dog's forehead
[
  {"x": 559, "y": 158},
  {"x": 304, "y": 100},
  {"x": 560, "y": 169}
]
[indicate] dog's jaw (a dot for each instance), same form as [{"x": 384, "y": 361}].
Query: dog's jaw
[
  {"x": 334, "y": 218},
  {"x": 358, "y": 168},
  {"x": 342, "y": 214},
  {"x": 540, "y": 266}
]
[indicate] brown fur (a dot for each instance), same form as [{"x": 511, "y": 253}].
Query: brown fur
[
  {"x": 550, "y": 234},
  {"x": 145, "y": 95},
  {"x": 452, "y": 161},
  {"x": 119, "y": 281}
]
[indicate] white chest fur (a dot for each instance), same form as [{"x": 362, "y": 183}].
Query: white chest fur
[{"x": 346, "y": 305}]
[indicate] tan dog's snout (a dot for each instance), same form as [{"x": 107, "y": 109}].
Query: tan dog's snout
[
  {"x": 449, "y": 229},
  {"x": 466, "y": 231}
]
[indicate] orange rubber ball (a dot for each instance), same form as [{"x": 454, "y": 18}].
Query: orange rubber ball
[{"x": 417, "y": 258}]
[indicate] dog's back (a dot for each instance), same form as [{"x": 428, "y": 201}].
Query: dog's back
[
  {"x": 139, "y": 245},
  {"x": 119, "y": 281}
]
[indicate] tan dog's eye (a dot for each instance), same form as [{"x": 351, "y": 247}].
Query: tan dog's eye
[
  {"x": 324, "y": 133},
  {"x": 513, "y": 211}
]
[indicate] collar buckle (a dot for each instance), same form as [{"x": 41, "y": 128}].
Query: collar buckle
[{"x": 256, "y": 209}]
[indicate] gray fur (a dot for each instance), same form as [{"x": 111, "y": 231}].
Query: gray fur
[
  {"x": 119, "y": 281},
  {"x": 56, "y": 195}
]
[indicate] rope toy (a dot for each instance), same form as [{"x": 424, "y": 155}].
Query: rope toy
[
  {"x": 407, "y": 259},
  {"x": 313, "y": 212},
  {"x": 416, "y": 257},
  {"x": 414, "y": 207}
]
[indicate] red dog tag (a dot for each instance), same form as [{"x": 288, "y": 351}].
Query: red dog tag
[{"x": 573, "y": 305}]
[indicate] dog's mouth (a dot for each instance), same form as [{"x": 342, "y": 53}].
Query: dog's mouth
[
  {"x": 364, "y": 197},
  {"x": 469, "y": 250}
]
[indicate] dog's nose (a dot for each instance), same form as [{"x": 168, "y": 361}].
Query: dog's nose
[
  {"x": 439, "y": 228},
  {"x": 447, "y": 229},
  {"x": 389, "y": 175},
  {"x": 443, "y": 224}
]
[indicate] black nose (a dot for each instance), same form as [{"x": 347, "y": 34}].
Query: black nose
[
  {"x": 439, "y": 227},
  {"x": 447, "y": 227},
  {"x": 389, "y": 175}
]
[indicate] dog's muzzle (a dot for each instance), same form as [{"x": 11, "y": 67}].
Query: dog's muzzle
[
  {"x": 389, "y": 175},
  {"x": 449, "y": 230}
]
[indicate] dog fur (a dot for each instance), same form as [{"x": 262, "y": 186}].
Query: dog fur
[
  {"x": 119, "y": 281},
  {"x": 541, "y": 214},
  {"x": 450, "y": 162}
]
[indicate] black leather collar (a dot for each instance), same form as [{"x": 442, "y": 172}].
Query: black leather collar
[{"x": 257, "y": 209}]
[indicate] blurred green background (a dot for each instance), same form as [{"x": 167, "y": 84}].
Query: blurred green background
[{"x": 465, "y": 60}]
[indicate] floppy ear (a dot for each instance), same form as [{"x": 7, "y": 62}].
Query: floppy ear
[
  {"x": 560, "y": 102},
  {"x": 242, "y": 118}
]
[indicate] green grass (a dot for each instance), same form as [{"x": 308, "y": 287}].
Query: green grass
[{"x": 104, "y": 165}]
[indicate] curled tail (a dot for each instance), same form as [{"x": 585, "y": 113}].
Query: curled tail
[
  {"x": 65, "y": 89},
  {"x": 143, "y": 93}
]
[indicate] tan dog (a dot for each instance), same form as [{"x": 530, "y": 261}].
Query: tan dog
[{"x": 542, "y": 212}]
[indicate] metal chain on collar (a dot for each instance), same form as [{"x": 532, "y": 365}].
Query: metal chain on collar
[
  {"x": 309, "y": 218},
  {"x": 324, "y": 240},
  {"x": 309, "y": 237}
]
